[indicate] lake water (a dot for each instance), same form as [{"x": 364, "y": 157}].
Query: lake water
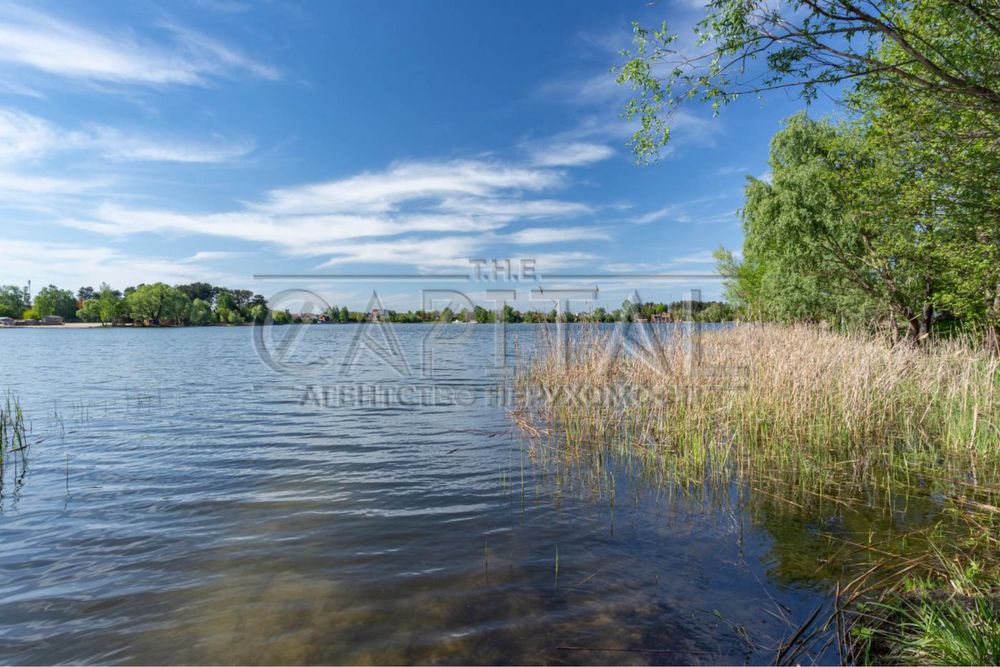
[{"x": 186, "y": 503}]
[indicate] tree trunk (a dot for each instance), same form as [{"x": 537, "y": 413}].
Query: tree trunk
[
  {"x": 927, "y": 312},
  {"x": 926, "y": 320},
  {"x": 912, "y": 330},
  {"x": 893, "y": 326}
]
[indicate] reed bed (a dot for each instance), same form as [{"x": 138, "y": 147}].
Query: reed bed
[
  {"x": 815, "y": 404},
  {"x": 802, "y": 422}
]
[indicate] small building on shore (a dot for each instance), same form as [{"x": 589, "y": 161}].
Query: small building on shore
[
  {"x": 52, "y": 320},
  {"x": 6, "y": 321}
]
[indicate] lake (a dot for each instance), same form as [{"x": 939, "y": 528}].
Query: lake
[{"x": 185, "y": 502}]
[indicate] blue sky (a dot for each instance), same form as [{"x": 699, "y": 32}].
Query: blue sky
[{"x": 217, "y": 139}]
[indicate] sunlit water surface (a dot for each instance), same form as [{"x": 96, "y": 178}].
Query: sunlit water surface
[{"x": 185, "y": 503}]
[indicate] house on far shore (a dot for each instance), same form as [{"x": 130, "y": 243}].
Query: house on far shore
[
  {"x": 52, "y": 319},
  {"x": 6, "y": 321}
]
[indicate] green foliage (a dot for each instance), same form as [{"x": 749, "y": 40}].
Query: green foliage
[
  {"x": 258, "y": 313},
  {"x": 203, "y": 291},
  {"x": 281, "y": 317},
  {"x": 852, "y": 230},
  {"x": 956, "y": 632},
  {"x": 103, "y": 306},
  {"x": 947, "y": 52},
  {"x": 716, "y": 312},
  {"x": 90, "y": 311},
  {"x": 12, "y": 301},
  {"x": 110, "y": 305},
  {"x": 201, "y": 313},
  {"x": 54, "y": 301},
  {"x": 157, "y": 302},
  {"x": 891, "y": 218}
]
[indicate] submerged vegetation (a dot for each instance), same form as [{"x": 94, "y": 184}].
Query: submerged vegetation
[{"x": 804, "y": 424}]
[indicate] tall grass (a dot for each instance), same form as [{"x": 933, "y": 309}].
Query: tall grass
[
  {"x": 798, "y": 420},
  {"x": 797, "y": 399}
]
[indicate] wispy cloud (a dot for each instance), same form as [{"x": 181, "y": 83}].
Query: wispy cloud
[
  {"x": 540, "y": 235},
  {"x": 729, "y": 170},
  {"x": 117, "y": 145},
  {"x": 424, "y": 213},
  {"x": 71, "y": 265},
  {"x": 26, "y": 137},
  {"x": 570, "y": 154},
  {"x": 703, "y": 210},
  {"x": 213, "y": 255},
  {"x": 32, "y": 39},
  {"x": 408, "y": 181}
]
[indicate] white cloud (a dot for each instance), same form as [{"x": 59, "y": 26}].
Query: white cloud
[
  {"x": 33, "y": 39},
  {"x": 374, "y": 192},
  {"x": 213, "y": 255},
  {"x": 428, "y": 198},
  {"x": 71, "y": 265},
  {"x": 448, "y": 251},
  {"x": 16, "y": 184},
  {"x": 570, "y": 154},
  {"x": 26, "y": 137},
  {"x": 703, "y": 210},
  {"x": 540, "y": 235},
  {"x": 700, "y": 257},
  {"x": 510, "y": 209},
  {"x": 23, "y": 136},
  {"x": 117, "y": 145}
]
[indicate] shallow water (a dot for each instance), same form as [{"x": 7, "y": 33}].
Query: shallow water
[{"x": 185, "y": 503}]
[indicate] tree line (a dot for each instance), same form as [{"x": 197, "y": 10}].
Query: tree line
[
  {"x": 198, "y": 304},
  {"x": 202, "y": 304},
  {"x": 885, "y": 217},
  {"x": 703, "y": 311}
]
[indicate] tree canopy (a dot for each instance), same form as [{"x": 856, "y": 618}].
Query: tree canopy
[{"x": 889, "y": 215}]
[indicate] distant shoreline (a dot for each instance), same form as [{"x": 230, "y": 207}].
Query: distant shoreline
[{"x": 65, "y": 325}]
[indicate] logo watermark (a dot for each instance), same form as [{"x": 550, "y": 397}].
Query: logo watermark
[{"x": 376, "y": 368}]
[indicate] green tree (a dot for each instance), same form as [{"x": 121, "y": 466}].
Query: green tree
[
  {"x": 203, "y": 291},
  {"x": 482, "y": 315},
  {"x": 948, "y": 52},
  {"x": 158, "y": 302},
  {"x": 109, "y": 304},
  {"x": 54, "y": 301},
  {"x": 841, "y": 230},
  {"x": 90, "y": 311},
  {"x": 12, "y": 301},
  {"x": 715, "y": 312},
  {"x": 258, "y": 313},
  {"x": 201, "y": 313}
]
